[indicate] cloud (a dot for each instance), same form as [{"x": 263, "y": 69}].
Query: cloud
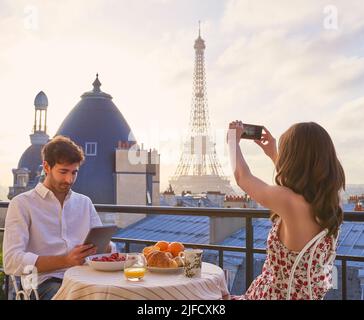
[
  {"x": 345, "y": 126},
  {"x": 266, "y": 14},
  {"x": 294, "y": 15},
  {"x": 348, "y": 133}
]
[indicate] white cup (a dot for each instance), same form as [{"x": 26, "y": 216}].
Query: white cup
[{"x": 192, "y": 259}]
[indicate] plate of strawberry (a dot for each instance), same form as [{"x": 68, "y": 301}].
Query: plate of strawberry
[{"x": 107, "y": 262}]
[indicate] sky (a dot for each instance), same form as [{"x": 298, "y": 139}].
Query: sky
[{"x": 273, "y": 63}]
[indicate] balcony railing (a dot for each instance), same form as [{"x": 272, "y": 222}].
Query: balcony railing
[{"x": 246, "y": 213}]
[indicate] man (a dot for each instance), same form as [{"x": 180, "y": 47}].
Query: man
[{"x": 46, "y": 226}]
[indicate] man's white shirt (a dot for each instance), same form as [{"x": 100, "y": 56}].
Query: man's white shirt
[{"x": 37, "y": 225}]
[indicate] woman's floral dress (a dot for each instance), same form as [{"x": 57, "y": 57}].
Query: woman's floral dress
[{"x": 272, "y": 284}]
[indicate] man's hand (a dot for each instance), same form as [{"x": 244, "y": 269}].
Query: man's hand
[
  {"x": 76, "y": 257},
  {"x": 268, "y": 144}
]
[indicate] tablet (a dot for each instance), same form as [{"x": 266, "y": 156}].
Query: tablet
[{"x": 100, "y": 237}]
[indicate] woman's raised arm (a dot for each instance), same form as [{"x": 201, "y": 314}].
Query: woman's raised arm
[{"x": 276, "y": 198}]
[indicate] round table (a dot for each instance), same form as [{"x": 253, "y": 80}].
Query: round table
[{"x": 83, "y": 282}]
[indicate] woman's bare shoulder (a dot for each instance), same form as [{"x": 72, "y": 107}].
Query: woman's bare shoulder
[{"x": 286, "y": 201}]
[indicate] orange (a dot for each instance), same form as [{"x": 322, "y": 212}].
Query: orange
[
  {"x": 149, "y": 250},
  {"x": 175, "y": 248},
  {"x": 163, "y": 245}
]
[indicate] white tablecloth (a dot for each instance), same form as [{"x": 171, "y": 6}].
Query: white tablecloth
[{"x": 83, "y": 282}]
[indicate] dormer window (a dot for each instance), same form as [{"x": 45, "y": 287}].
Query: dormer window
[
  {"x": 22, "y": 180},
  {"x": 21, "y": 176},
  {"x": 91, "y": 149}
]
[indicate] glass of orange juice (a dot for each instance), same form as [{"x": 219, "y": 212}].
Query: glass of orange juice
[{"x": 135, "y": 266}]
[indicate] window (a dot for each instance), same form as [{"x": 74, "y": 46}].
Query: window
[
  {"x": 91, "y": 149},
  {"x": 22, "y": 180}
]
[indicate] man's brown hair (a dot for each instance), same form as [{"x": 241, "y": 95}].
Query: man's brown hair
[{"x": 62, "y": 150}]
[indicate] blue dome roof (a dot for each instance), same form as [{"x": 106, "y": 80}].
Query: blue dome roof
[
  {"x": 96, "y": 119},
  {"x": 31, "y": 159}
]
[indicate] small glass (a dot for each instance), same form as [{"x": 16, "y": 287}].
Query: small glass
[{"x": 135, "y": 266}]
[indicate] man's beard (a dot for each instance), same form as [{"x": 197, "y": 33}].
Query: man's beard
[
  {"x": 60, "y": 187},
  {"x": 64, "y": 187}
]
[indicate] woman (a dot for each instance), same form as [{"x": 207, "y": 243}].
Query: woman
[{"x": 305, "y": 206}]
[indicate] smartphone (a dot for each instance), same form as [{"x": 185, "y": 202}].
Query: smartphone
[{"x": 252, "y": 131}]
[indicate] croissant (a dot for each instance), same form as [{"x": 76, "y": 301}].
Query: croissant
[
  {"x": 179, "y": 261},
  {"x": 161, "y": 259}
]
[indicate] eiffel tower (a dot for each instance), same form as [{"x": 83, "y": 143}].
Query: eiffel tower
[{"x": 199, "y": 169}]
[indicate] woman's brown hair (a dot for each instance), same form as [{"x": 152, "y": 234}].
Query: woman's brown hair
[{"x": 308, "y": 165}]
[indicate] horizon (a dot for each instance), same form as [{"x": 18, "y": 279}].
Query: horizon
[{"x": 261, "y": 59}]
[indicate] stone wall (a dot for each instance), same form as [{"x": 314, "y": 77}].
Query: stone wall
[{"x": 223, "y": 227}]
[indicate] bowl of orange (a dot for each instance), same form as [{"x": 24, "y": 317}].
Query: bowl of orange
[{"x": 171, "y": 249}]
